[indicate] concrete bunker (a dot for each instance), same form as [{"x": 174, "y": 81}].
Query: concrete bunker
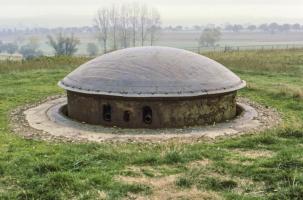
[{"x": 151, "y": 87}]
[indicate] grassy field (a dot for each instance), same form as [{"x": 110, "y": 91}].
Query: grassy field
[{"x": 268, "y": 165}]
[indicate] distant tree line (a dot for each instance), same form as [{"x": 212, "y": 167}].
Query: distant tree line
[
  {"x": 212, "y": 34},
  {"x": 269, "y": 28},
  {"x": 266, "y": 27},
  {"x": 46, "y": 31},
  {"x": 121, "y": 26}
]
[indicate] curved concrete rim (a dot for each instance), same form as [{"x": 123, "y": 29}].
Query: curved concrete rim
[
  {"x": 152, "y": 71},
  {"x": 47, "y": 117},
  {"x": 197, "y": 93}
]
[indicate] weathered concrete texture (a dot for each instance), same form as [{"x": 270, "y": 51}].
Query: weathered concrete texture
[
  {"x": 152, "y": 72},
  {"x": 160, "y": 113},
  {"x": 151, "y": 87},
  {"x": 48, "y": 118}
]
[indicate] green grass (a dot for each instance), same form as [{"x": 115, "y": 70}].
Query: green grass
[{"x": 44, "y": 170}]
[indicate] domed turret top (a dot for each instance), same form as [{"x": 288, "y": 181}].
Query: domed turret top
[{"x": 152, "y": 72}]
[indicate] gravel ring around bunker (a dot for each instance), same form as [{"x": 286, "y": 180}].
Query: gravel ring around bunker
[{"x": 43, "y": 121}]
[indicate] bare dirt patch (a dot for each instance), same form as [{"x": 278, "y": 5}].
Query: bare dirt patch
[
  {"x": 149, "y": 171},
  {"x": 253, "y": 154},
  {"x": 239, "y": 162},
  {"x": 248, "y": 186},
  {"x": 199, "y": 163},
  {"x": 164, "y": 188},
  {"x": 244, "y": 185},
  {"x": 250, "y": 155},
  {"x": 102, "y": 195}
]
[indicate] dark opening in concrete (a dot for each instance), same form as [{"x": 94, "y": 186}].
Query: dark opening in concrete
[
  {"x": 147, "y": 115},
  {"x": 107, "y": 113},
  {"x": 126, "y": 116}
]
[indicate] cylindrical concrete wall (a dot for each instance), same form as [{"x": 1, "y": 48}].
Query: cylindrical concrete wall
[{"x": 150, "y": 112}]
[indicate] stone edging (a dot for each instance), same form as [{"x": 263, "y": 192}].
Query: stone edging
[{"x": 42, "y": 121}]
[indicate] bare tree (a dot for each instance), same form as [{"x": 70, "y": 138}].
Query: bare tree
[
  {"x": 134, "y": 9},
  {"x": 143, "y": 14},
  {"x": 127, "y": 23},
  {"x": 102, "y": 24},
  {"x": 209, "y": 37},
  {"x": 113, "y": 23},
  {"x": 154, "y": 25},
  {"x": 64, "y": 45},
  {"x": 124, "y": 25}
]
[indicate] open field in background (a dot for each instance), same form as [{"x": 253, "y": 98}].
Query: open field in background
[
  {"x": 267, "y": 165},
  {"x": 185, "y": 39},
  {"x": 188, "y": 39}
]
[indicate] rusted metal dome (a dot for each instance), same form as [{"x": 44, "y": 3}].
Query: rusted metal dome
[{"x": 152, "y": 72}]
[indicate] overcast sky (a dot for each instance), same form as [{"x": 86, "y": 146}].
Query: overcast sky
[{"x": 185, "y": 12}]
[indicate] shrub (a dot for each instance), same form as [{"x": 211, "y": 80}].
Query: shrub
[{"x": 92, "y": 49}]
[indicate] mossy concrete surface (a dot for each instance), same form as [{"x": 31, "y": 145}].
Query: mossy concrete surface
[{"x": 164, "y": 112}]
